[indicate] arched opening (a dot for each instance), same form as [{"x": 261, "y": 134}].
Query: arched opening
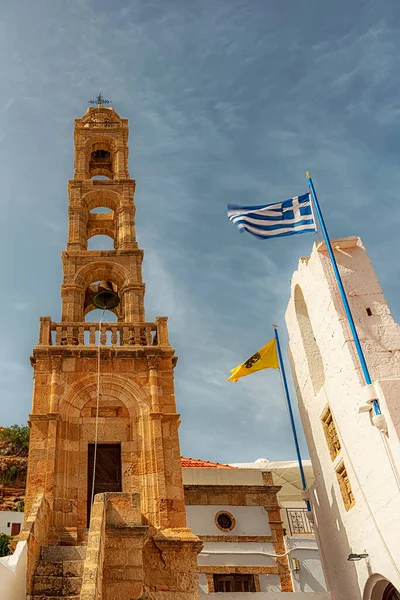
[
  {"x": 313, "y": 354},
  {"x": 90, "y": 298},
  {"x": 101, "y": 177},
  {"x": 102, "y": 198},
  {"x": 101, "y": 270},
  {"x": 100, "y": 242},
  {"x": 100, "y": 210},
  {"x": 390, "y": 593},
  {"x": 380, "y": 588},
  {"x": 94, "y": 315},
  {"x": 101, "y": 156},
  {"x": 101, "y": 226}
]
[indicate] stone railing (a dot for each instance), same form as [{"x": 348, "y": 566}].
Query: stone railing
[
  {"x": 107, "y": 334},
  {"x": 35, "y": 534},
  {"x": 114, "y": 551},
  {"x": 92, "y": 581}
]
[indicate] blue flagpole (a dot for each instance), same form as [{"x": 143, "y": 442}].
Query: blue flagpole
[
  {"x": 289, "y": 404},
  {"x": 341, "y": 290}
]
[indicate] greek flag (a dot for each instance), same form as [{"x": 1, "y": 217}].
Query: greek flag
[{"x": 275, "y": 220}]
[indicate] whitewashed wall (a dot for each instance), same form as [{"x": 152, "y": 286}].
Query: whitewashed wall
[
  {"x": 310, "y": 577},
  {"x": 250, "y": 520},
  {"x": 372, "y": 459},
  {"x": 240, "y": 553},
  {"x": 7, "y": 517},
  {"x": 13, "y": 574}
]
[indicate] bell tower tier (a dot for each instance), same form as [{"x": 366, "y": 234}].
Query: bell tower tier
[{"x": 104, "y": 425}]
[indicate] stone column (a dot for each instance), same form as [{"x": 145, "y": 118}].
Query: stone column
[
  {"x": 55, "y": 383},
  {"x": 157, "y": 443},
  {"x": 132, "y": 303},
  {"x": 152, "y": 362},
  {"x": 162, "y": 328},
  {"x": 52, "y": 438},
  {"x": 72, "y": 303},
  {"x": 77, "y": 228},
  {"x": 45, "y": 331},
  {"x": 125, "y": 228},
  {"x": 80, "y": 164},
  {"x": 275, "y": 523},
  {"x": 36, "y": 477},
  {"x": 120, "y": 165}
]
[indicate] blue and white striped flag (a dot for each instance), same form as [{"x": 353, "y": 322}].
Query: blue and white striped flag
[{"x": 275, "y": 220}]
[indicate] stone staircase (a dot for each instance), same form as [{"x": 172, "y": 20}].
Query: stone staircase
[{"x": 59, "y": 573}]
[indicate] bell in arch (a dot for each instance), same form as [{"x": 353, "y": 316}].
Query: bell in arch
[{"x": 106, "y": 297}]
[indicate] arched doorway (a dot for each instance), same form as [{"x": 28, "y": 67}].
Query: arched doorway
[
  {"x": 390, "y": 593},
  {"x": 380, "y": 588}
]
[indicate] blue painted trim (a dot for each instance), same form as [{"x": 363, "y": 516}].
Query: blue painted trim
[
  {"x": 342, "y": 292},
  {"x": 292, "y": 423}
]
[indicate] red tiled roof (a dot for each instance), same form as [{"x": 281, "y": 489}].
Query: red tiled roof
[{"x": 203, "y": 464}]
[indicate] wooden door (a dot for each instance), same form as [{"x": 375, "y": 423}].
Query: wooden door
[
  {"x": 108, "y": 471},
  {"x": 15, "y": 528}
]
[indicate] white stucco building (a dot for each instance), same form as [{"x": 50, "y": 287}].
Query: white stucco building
[
  {"x": 356, "y": 457},
  {"x": 11, "y": 522},
  {"x": 241, "y": 557}
]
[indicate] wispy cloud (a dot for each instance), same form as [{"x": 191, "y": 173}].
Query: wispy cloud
[{"x": 227, "y": 102}]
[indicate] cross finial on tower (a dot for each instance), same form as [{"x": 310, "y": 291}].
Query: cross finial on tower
[{"x": 99, "y": 101}]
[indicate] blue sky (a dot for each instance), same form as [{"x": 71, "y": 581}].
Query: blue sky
[{"x": 228, "y": 101}]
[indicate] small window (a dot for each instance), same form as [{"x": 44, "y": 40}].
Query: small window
[
  {"x": 234, "y": 583},
  {"x": 369, "y": 312},
  {"x": 345, "y": 486},
  {"x": 330, "y": 432},
  {"x": 225, "y": 521}
]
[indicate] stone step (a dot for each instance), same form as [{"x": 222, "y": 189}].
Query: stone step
[
  {"x": 56, "y": 586},
  {"x": 62, "y": 553},
  {"x": 66, "y": 568}
]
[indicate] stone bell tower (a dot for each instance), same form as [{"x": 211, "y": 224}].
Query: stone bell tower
[{"x": 104, "y": 409}]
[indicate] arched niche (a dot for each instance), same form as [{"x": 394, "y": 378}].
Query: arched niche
[
  {"x": 311, "y": 348},
  {"x": 102, "y": 198},
  {"x": 127, "y": 427},
  {"x": 134, "y": 398}
]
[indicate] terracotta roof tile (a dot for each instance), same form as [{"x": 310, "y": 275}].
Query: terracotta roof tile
[{"x": 203, "y": 464}]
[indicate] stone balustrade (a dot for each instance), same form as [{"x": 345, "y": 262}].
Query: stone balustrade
[{"x": 104, "y": 334}]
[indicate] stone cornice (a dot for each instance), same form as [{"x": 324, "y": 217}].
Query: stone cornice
[
  {"x": 231, "y": 495},
  {"x": 44, "y": 417},
  {"x": 221, "y": 489},
  {"x": 245, "y": 569},
  {"x": 259, "y": 539},
  {"x": 45, "y": 352}
]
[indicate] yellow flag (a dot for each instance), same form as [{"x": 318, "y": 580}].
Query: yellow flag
[{"x": 265, "y": 358}]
